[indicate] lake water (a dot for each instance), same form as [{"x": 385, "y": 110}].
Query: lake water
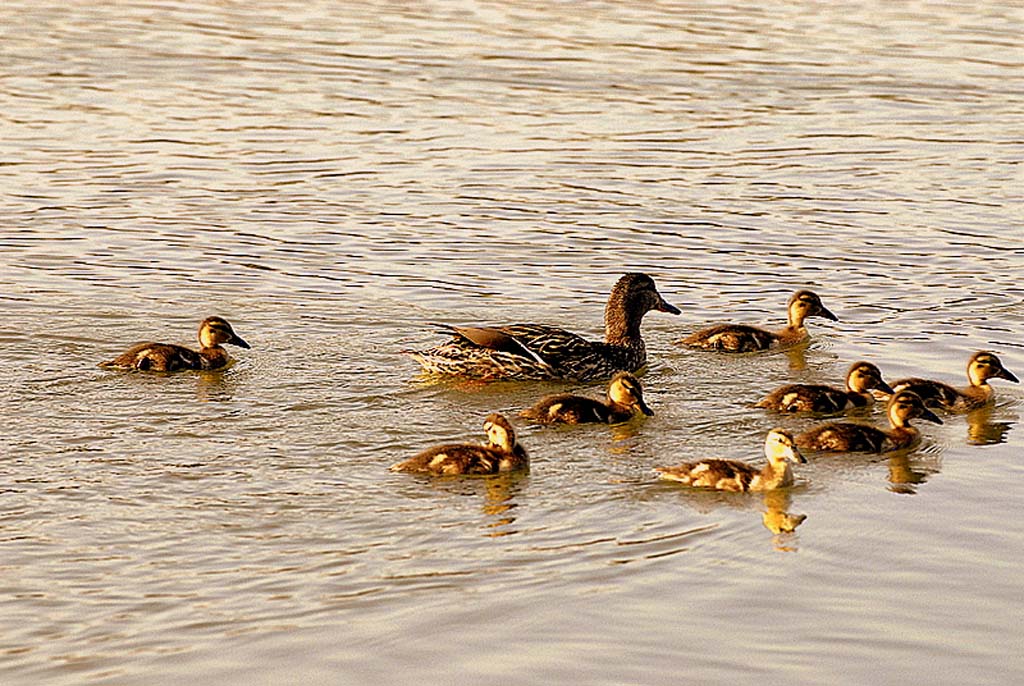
[{"x": 334, "y": 178}]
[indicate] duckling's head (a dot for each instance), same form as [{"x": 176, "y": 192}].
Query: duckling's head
[
  {"x": 625, "y": 389},
  {"x": 984, "y": 365},
  {"x": 216, "y": 330},
  {"x": 500, "y": 433},
  {"x": 906, "y": 405},
  {"x": 864, "y": 376},
  {"x": 804, "y": 304},
  {"x": 779, "y": 446}
]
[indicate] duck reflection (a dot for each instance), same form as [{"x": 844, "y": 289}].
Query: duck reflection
[
  {"x": 214, "y": 387},
  {"x": 500, "y": 502},
  {"x": 981, "y": 430},
  {"x": 797, "y": 356},
  {"x": 780, "y": 521},
  {"x": 906, "y": 474}
]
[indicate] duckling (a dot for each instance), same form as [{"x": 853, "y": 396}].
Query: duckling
[
  {"x": 502, "y": 453},
  {"x": 536, "y": 351},
  {"x": 982, "y": 366},
  {"x": 733, "y": 475},
  {"x": 166, "y": 357},
  {"x": 738, "y": 338},
  {"x": 848, "y": 437},
  {"x": 625, "y": 398},
  {"x": 860, "y": 379}
]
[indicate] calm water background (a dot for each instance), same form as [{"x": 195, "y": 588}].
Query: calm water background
[{"x": 333, "y": 177}]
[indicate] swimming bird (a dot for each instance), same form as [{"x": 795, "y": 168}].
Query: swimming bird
[
  {"x": 861, "y": 378},
  {"x": 738, "y": 338},
  {"x": 733, "y": 475},
  {"x": 625, "y": 399},
  {"x": 536, "y": 351},
  {"x": 849, "y": 437},
  {"x": 982, "y": 366},
  {"x": 167, "y": 357},
  {"x": 502, "y": 453}
]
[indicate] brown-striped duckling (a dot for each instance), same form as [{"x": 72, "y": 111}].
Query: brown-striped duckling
[
  {"x": 738, "y": 338},
  {"x": 733, "y": 475},
  {"x": 502, "y": 453},
  {"x": 982, "y": 366},
  {"x": 849, "y": 437},
  {"x": 167, "y": 357},
  {"x": 625, "y": 399},
  {"x": 861, "y": 379},
  {"x": 537, "y": 351}
]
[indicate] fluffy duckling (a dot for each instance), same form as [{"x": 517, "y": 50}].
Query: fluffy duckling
[
  {"x": 982, "y": 366},
  {"x": 536, "y": 351},
  {"x": 738, "y": 338},
  {"x": 501, "y": 454},
  {"x": 848, "y": 437},
  {"x": 625, "y": 398},
  {"x": 861, "y": 378},
  {"x": 167, "y": 357},
  {"x": 733, "y": 475}
]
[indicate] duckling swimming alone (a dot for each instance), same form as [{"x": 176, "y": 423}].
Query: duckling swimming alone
[
  {"x": 738, "y": 338},
  {"x": 625, "y": 398},
  {"x": 733, "y": 475},
  {"x": 848, "y": 437},
  {"x": 501, "y": 454},
  {"x": 861, "y": 378},
  {"x": 535, "y": 351},
  {"x": 166, "y": 357},
  {"x": 982, "y": 366}
]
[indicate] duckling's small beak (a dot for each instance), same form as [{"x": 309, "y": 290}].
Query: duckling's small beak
[
  {"x": 237, "y": 340},
  {"x": 642, "y": 406},
  {"x": 930, "y": 416},
  {"x": 1008, "y": 375},
  {"x": 827, "y": 314},
  {"x": 884, "y": 387},
  {"x": 797, "y": 456},
  {"x": 667, "y": 307}
]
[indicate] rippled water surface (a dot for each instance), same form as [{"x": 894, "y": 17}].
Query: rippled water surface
[{"x": 336, "y": 178}]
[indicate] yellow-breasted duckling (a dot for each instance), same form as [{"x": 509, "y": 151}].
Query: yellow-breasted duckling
[
  {"x": 982, "y": 366},
  {"x": 861, "y": 378},
  {"x": 739, "y": 338},
  {"x": 502, "y": 453},
  {"x": 536, "y": 351},
  {"x": 733, "y": 475},
  {"x": 625, "y": 399},
  {"x": 167, "y": 357},
  {"x": 849, "y": 437}
]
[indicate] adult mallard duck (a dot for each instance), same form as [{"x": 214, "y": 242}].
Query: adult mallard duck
[
  {"x": 861, "y": 378},
  {"x": 625, "y": 399},
  {"x": 536, "y": 351},
  {"x": 167, "y": 357},
  {"x": 982, "y": 366},
  {"x": 738, "y": 338},
  {"x": 849, "y": 437},
  {"x": 733, "y": 475},
  {"x": 502, "y": 453}
]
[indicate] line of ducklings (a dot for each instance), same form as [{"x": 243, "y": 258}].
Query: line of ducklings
[{"x": 534, "y": 351}]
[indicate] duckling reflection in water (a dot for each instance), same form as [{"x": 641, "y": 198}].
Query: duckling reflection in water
[
  {"x": 849, "y": 437},
  {"x": 625, "y": 398},
  {"x": 502, "y": 453},
  {"x": 167, "y": 357},
  {"x": 861, "y": 378},
  {"x": 736, "y": 338},
  {"x": 536, "y": 351},
  {"x": 733, "y": 475},
  {"x": 780, "y": 521},
  {"x": 982, "y": 366}
]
